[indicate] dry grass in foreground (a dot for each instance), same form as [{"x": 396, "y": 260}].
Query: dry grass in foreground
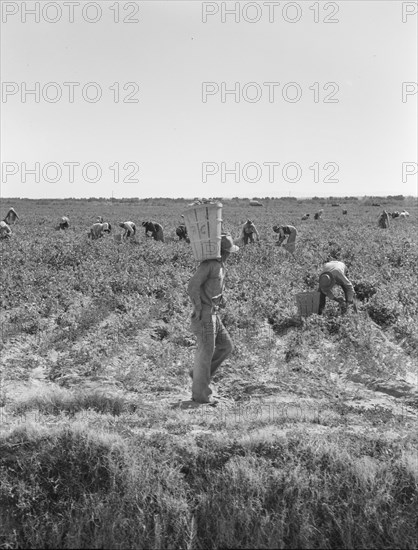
[{"x": 72, "y": 487}]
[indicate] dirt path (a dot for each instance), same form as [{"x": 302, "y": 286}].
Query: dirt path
[{"x": 264, "y": 398}]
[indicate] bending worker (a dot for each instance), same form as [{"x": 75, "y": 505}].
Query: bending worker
[
  {"x": 214, "y": 344},
  {"x": 249, "y": 232},
  {"x": 286, "y": 231},
  {"x": 129, "y": 229},
  {"x": 155, "y": 229},
  {"x": 11, "y": 216},
  {"x": 334, "y": 273},
  {"x": 383, "y": 220},
  {"x": 5, "y": 231}
]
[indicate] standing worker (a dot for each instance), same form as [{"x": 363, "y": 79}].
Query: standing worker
[
  {"x": 286, "y": 231},
  {"x": 214, "y": 344},
  {"x": 334, "y": 273},
  {"x": 249, "y": 232}
]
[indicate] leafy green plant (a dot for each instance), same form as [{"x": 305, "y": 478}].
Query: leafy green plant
[
  {"x": 81, "y": 312},
  {"x": 381, "y": 313},
  {"x": 365, "y": 290}
]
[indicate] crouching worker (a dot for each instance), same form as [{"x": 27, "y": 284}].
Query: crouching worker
[
  {"x": 249, "y": 233},
  {"x": 214, "y": 344},
  {"x": 286, "y": 231},
  {"x": 64, "y": 223},
  {"x": 334, "y": 273}
]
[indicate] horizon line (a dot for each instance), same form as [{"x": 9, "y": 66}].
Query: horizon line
[{"x": 300, "y": 197}]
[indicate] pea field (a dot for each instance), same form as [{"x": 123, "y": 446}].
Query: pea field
[{"x": 314, "y": 442}]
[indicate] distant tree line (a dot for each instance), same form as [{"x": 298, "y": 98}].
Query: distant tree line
[{"x": 162, "y": 200}]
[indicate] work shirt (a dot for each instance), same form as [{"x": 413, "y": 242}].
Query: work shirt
[
  {"x": 181, "y": 231},
  {"x": 285, "y": 231},
  {"x": 129, "y": 227},
  {"x": 383, "y": 220},
  {"x": 96, "y": 230},
  {"x": 249, "y": 228},
  {"x": 159, "y": 234},
  {"x": 336, "y": 270},
  {"x": 206, "y": 286},
  {"x": 5, "y": 230},
  {"x": 11, "y": 216},
  {"x": 156, "y": 230}
]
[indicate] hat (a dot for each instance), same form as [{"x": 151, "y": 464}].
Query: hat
[
  {"x": 227, "y": 244},
  {"x": 325, "y": 281}
]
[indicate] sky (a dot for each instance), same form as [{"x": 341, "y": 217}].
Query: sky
[{"x": 208, "y": 99}]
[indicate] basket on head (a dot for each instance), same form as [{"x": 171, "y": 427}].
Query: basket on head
[
  {"x": 308, "y": 303},
  {"x": 204, "y": 227}
]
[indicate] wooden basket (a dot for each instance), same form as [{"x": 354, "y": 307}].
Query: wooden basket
[
  {"x": 204, "y": 227},
  {"x": 308, "y": 303}
]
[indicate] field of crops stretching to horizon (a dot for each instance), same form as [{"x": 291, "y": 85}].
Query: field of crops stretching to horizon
[{"x": 313, "y": 443}]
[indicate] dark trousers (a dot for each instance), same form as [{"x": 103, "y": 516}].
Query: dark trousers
[
  {"x": 322, "y": 302},
  {"x": 323, "y": 299}
]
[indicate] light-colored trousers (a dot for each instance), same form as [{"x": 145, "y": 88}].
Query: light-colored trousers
[{"x": 214, "y": 345}]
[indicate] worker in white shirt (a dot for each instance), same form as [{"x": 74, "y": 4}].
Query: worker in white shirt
[
  {"x": 5, "y": 231},
  {"x": 334, "y": 273},
  {"x": 130, "y": 229}
]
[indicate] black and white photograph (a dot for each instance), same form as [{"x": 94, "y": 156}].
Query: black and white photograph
[{"x": 209, "y": 266}]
